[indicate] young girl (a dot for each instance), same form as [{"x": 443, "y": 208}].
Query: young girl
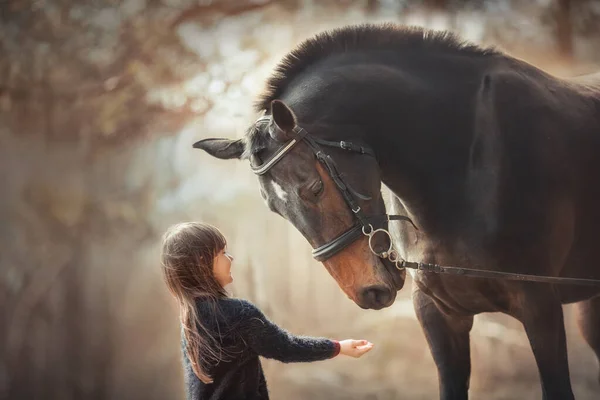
[{"x": 222, "y": 337}]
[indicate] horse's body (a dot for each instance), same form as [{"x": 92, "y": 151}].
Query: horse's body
[
  {"x": 529, "y": 201},
  {"x": 495, "y": 161}
]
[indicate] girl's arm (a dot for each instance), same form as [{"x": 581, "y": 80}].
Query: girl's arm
[{"x": 271, "y": 341}]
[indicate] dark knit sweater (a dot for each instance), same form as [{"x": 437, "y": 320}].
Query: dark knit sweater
[{"x": 245, "y": 333}]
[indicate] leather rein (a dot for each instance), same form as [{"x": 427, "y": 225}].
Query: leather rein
[{"x": 365, "y": 225}]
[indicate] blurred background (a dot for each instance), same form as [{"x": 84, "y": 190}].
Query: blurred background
[{"x": 100, "y": 102}]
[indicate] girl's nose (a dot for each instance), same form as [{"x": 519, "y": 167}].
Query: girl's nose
[{"x": 229, "y": 256}]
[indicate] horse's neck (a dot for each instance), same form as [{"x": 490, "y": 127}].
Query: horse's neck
[
  {"x": 439, "y": 187},
  {"x": 423, "y": 158}
]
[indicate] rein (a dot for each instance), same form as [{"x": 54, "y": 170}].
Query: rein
[
  {"x": 480, "y": 273},
  {"x": 401, "y": 264}
]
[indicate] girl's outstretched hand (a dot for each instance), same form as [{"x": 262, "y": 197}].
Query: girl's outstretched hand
[{"x": 355, "y": 348}]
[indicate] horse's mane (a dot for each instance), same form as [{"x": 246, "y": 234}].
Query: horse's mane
[{"x": 361, "y": 37}]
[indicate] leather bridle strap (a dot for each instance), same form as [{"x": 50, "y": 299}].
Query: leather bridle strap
[
  {"x": 348, "y": 146},
  {"x": 342, "y": 241},
  {"x": 300, "y": 134}
]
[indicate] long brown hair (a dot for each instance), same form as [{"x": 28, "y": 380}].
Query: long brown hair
[{"x": 188, "y": 253}]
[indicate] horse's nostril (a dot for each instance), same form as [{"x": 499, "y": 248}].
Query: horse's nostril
[{"x": 376, "y": 297}]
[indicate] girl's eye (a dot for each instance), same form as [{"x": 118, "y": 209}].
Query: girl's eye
[{"x": 317, "y": 188}]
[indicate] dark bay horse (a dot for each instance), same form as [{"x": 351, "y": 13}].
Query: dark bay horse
[{"x": 496, "y": 163}]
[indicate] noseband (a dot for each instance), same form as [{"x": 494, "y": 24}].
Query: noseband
[{"x": 364, "y": 225}]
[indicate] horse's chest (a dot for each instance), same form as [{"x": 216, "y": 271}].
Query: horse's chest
[
  {"x": 463, "y": 295},
  {"x": 454, "y": 293}
]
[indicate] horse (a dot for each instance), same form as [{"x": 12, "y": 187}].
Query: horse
[{"x": 492, "y": 163}]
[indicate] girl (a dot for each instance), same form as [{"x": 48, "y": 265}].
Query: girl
[{"x": 222, "y": 337}]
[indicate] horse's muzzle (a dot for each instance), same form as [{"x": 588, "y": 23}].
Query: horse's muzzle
[{"x": 376, "y": 297}]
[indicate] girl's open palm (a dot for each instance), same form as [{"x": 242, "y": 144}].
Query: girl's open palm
[{"x": 355, "y": 348}]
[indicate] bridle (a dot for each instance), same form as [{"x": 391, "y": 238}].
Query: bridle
[{"x": 365, "y": 225}]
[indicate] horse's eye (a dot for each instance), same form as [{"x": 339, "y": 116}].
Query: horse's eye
[{"x": 317, "y": 188}]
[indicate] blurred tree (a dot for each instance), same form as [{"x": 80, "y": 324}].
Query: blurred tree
[{"x": 74, "y": 83}]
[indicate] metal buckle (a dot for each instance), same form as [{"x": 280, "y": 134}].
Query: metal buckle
[{"x": 370, "y": 232}]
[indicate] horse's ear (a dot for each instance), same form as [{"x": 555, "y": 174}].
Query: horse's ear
[
  {"x": 224, "y": 149},
  {"x": 284, "y": 121}
]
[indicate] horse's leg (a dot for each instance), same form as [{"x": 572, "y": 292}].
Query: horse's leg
[
  {"x": 448, "y": 338},
  {"x": 589, "y": 323},
  {"x": 540, "y": 311}
]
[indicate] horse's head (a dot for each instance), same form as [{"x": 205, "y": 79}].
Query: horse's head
[{"x": 327, "y": 183}]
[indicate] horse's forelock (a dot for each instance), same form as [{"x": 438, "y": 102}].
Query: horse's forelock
[{"x": 256, "y": 139}]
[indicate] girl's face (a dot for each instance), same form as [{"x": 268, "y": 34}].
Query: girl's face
[{"x": 222, "y": 267}]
